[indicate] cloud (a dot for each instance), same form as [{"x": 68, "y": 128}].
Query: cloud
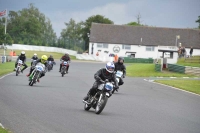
[{"x": 158, "y": 13}]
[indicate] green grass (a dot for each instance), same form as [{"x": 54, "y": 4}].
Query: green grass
[
  {"x": 4, "y": 130},
  {"x": 148, "y": 70},
  {"x": 29, "y": 53},
  {"x": 188, "y": 85},
  {"x": 8, "y": 67},
  {"x": 183, "y": 63}
]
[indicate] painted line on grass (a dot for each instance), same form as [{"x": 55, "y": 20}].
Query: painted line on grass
[
  {"x": 2, "y": 126},
  {"x": 152, "y": 81}
]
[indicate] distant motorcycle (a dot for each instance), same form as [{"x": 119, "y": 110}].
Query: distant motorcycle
[
  {"x": 36, "y": 73},
  {"x": 99, "y": 100},
  {"x": 18, "y": 69},
  {"x": 33, "y": 62},
  {"x": 65, "y": 64},
  {"x": 118, "y": 75},
  {"x": 50, "y": 65}
]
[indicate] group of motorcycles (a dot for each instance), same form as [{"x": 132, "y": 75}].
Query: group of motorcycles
[
  {"x": 104, "y": 91},
  {"x": 39, "y": 69},
  {"x": 98, "y": 101}
]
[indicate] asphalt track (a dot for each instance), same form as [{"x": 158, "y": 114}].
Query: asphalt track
[{"x": 55, "y": 105}]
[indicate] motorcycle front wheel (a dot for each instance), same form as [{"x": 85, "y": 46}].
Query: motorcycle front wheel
[
  {"x": 101, "y": 104},
  {"x": 17, "y": 71}
]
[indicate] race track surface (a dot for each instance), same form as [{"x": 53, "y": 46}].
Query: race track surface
[{"x": 55, "y": 105}]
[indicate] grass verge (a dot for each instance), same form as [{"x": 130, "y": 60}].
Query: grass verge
[
  {"x": 183, "y": 63},
  {"x": 148, "y": 70},
  {"x": 8, "y": 67},
  {"x": 188, "y": 85},
  {"x": 4, "y": 130},
  {"x": 30, "y": 53}
]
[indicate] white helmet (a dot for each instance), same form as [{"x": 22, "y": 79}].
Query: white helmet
[
  {"x": 35, "y": 54},
  {"x": 22, "y": 53},
  {"x": 110, "y": 67}
]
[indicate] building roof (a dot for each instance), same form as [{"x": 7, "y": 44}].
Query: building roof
[{"x": 151, "y": 36}]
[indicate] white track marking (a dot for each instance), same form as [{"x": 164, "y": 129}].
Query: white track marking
[{"x": 173, "y": 87}]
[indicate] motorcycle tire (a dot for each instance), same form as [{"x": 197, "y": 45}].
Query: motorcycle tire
[
  {"x": 100, "y": 106},
  {"x": 17, "y": 71}
]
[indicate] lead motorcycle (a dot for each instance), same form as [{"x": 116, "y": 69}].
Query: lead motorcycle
[
  {"x": 65, "y": 64},
  {"x": 36, "y": 73},
  {"x": 18, "y": 69},
  {"x": 118, "y": 74},
  {"x": 99, "y": 100}
]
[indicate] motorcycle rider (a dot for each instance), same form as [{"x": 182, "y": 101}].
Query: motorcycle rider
[
  {"x": 34, "y": 58},
  {"x": 51, "y": 59},
  {"x": 21, "y": 57},
  {"x": 65, "y": 58},
  {"x": 100, "y": 76},
  {"x": 42, "y": 60},
  {"x": 121, "y": 67}
]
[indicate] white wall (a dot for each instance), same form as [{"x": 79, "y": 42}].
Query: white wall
[
  {"x": 41, "y": 48},
  {"x": 140, "y": 51}
]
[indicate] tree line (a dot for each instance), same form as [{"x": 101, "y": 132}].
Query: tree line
[{"x": 31, "y": 27}]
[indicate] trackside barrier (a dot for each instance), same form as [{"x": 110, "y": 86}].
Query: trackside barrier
[
  {"x": 41, "y": 48},
  {"x": 176, "y": 68},
  {"x": 138, "y": 60}
]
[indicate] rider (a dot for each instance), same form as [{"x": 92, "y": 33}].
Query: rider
[
  {"x": 51, "y": 59},
  {"x": 43, "y": 60},
  {"x": 21, "y": 57},
  {"x": 121, "y": 67},
  {"x": 100, "y": 76},
  {"x": 34, "y": 58},
  {"x": 65, "y": 58}
]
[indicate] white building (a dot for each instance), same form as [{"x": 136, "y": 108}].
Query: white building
[{"x": 141, "y": 41}]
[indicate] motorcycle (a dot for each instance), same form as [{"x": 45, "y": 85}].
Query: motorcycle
[
  {"x": 33, "y": 63},
  {"x": 99, "y": 100},
  {"x": 50, "y": 65},
  {"x": 65, "y": 64},
  {"x": 18, "y": 69},
  {"x": 118, "y": 75},
  {"x": 36, "y": 73}
]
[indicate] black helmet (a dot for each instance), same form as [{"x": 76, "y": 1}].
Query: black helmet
[{"x": 120, "y": 58}]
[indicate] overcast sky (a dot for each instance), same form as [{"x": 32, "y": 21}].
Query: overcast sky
[{"x": 159, "y": 13}]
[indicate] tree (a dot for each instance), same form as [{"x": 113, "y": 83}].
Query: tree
[
  {"x": 72, "y": 36},
  {"x": 198, "y": 21},
  {"x": 87, "y": 25},
  {"x": 30, "y": 26},
  {"x": 134, "y": 24}
]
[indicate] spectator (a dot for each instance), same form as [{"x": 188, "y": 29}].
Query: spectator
[
  {"x": 14, "y": 54},
  {"x": 191, "y": 51}
]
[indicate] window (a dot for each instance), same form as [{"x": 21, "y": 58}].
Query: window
[
  {"x": 127, "y": 47},
  {"x": 99, "y": 45},
  {"x": 105, "y": 45},
  {"x": 102, "y": 45},
  {"x": 149, "y": 48}
]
